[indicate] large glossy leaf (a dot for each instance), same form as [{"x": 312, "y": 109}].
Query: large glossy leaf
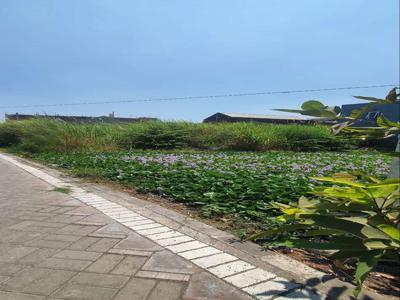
[
  {"x": 295, "y": 111},
  {"x": 339, "y": 180},
  {"x": 312, "y": 104},
  {"x": 306, "y": 203},
  {"x": 376, "y": 244},
  {"x": 320, "y": 113},
  {"x": 372, "y": 99},
  {"x": 349, "y": 225},
  {"x": 382, "y": 190},
  {"x": 354, "y": 194},
  {"x": 382, "y": 224},
  {"x": 325, "y": 113},
  {"x": 390, "y": 230},
  {"x": 365, "y": 265}
]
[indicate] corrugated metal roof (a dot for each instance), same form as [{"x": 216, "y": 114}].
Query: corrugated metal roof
[{"x": 257, "y": 116}]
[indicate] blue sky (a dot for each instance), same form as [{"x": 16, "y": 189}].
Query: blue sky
[{"x": 93, "y": 50}]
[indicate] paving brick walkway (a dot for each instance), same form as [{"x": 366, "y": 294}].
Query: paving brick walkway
[{"x": 54, "y": 246}]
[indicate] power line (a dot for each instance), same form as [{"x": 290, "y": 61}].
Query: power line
[{"x": 199, "y": 97}]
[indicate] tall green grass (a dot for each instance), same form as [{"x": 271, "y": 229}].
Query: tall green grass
[{"x": 41, "y": 135}]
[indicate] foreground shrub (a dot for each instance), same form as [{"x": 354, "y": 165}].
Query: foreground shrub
[{"x": 356, "y": 218}]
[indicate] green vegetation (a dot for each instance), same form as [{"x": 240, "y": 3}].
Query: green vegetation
[
  {"x": 236, "y": 185},
  {"x": 357, "y": 218},
  {"x": 41, "y": 135},
  {"x": 62, "y": 190}
]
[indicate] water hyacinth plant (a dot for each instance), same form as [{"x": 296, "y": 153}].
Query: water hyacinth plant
[{"x": 241, "y": 184}]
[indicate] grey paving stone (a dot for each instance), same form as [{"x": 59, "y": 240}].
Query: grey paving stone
[
  {"x": 12, "y": 253},
  {"x": 167, "y": 291},
  {"x": 3, "y": 278},
  {"x": 83, "y": 243},
  {"x": 130, "y": 252},
  {"x": 61, "y": 237},
  {"x": 104, "y": 280},
  {"x": 38, "y": 256},
  {"x": 48, "y": 244},
  {"x": 138, "y": 287},
  {"x": 84, "y": 292},
  {"x": 67, "y": 219},
  {"x": 77, "y": 254},
  {"x": 129, "y": 265},
  {"x": 9, "y": 269},
  {"x": 97, "y": 218},
  {"x": 105, "y": 263},
  {"x": 18, "y": 296},
  {"x": 37, "y": 281},
  {"x": 162, "y": 275},
  {"x": 77, "y": 229},
  {"x": 103, "y": 245},
  {"x": 13, "y": 236},
  {"x": 65, "y": 264},
  {"x": 136, "y": 242},
  {"x": 49, "y": 224},
  {"x": 204, "y": 286},
  {"x": 166, "y": 261}
]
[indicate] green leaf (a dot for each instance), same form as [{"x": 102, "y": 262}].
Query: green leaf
[
  {"x": 382, "y": 190},
  {"x": 312, "y": 104},
  {"x": 375, "y": 244},
  {"x": 365, "y": 265},
  {"x": 372, "y": 99},
  {"x": 339, "y": 180},
  {"x": 392, "y": 96},
  {"x": 295, "y": 111},
  {"x": 390, "y": 230},
  {"x": 325, "y": 113},
  {"x": 385, "y": 123},
  {"x": 347, "y": 226},
  {"x": 354, "y": 194},
  {"x": 345, "y": 254}
]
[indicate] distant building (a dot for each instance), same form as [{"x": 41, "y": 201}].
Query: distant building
[
  {"x": 234, "y": 117},
  {"x": 79, "y": 119},
  {"x": 390, "y": 111}
]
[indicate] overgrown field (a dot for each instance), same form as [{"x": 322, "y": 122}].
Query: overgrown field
[
  {"x": 235, "y": 185},
  {"x": 43, "y": 135}
]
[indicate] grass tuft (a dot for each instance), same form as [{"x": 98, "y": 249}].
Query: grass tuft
[{"x": 41, "y": 135}]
